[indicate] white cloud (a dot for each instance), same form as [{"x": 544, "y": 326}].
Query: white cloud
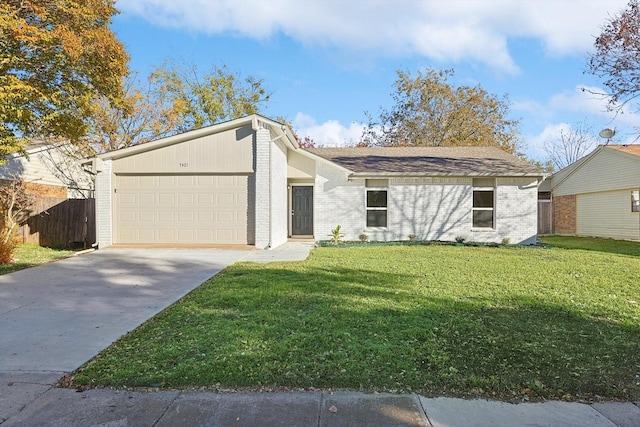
[
  {"x": 569, "y": 108},
  {"x": 587, "y": 100},
  {"x": 456, "y": 30},
  {"x": 328, "y": 134}
]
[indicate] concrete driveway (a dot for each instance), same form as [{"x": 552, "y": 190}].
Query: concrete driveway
[{"x": 55, "y": 317}]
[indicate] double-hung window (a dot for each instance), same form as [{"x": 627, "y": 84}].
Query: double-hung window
[
  {"x": 483, "y": 203},
  {"x": 635, "y": 201},
  {"x": 376, "y": 202}
]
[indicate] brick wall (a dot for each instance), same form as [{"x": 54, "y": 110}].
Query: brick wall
[
  {"x": 104, "y": 205},
  {"x": 429, "y": 208},
  {"x": 564, "y": 214},
  {"x": 45, "y": 190},
  {"x": 517, "y": 210},
  {"x": 337, "y": 201},
  {"x": 279, "y": 196},
  {"x": 263, "y": 188}
]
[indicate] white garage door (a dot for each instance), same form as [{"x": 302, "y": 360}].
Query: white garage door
[{"x": 183, "y": 209}]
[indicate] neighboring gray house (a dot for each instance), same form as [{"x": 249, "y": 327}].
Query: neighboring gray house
[
  {"x": 247, "y": 181},
  {"x": 48, "y": 171},
  {"x": 599, "y": 195}
]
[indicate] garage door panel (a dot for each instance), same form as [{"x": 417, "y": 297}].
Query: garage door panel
[
  {"x": 186, "y": 199},
  {"x": 167, "y": 216},
  {"x": 180, "y": 209}
]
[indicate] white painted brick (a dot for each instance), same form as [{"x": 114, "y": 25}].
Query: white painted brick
[
  {"x": 279, "y": 196},
  {"x": 429, "y": 208},
  {"x": 263, "y": 186},
  {"x": 104, "y": 205}
]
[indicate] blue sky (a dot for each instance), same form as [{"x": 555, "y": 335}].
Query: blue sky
[{"x": 329, "y": 61}]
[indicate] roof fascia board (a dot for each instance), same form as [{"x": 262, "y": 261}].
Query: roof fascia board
[
  {"x": 441, "y": 175},
  {"x": 279, "y": 128}
]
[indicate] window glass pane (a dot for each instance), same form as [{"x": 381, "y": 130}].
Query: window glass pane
[
  {"x": 483, "y": 219},
  {"x": 635, "y": 201},
  {"x": 377, "y": 199},
  {"x": 483, "y": 199},
  {"x": 376, "y": 218}
]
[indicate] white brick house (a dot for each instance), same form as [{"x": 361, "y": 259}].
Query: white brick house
[{"x": 248, "y": 182}]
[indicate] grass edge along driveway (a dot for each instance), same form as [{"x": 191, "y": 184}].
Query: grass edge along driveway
[
  {"x": 506, "y": 323},
  {"x": 26, "y": 256}
]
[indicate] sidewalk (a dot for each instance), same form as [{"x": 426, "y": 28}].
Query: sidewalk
[{"x": 30, "y": 399}]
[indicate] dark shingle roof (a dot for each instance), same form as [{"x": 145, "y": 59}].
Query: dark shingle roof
[{"x": 428, "y": 161}]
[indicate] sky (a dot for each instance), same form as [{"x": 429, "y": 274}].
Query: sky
[{"x": 329, "y": 62}]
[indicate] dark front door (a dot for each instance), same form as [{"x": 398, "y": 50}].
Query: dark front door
[{"x": 302, "y": 210}]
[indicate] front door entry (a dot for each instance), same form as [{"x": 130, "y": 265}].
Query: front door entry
[{"x": 302, "y": 210}]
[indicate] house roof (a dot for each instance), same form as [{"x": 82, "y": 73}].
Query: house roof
[
  {"x": 630, "y": 149},
  {"x": 427, "y": 161},
  {"x": 563, "y": 174}
]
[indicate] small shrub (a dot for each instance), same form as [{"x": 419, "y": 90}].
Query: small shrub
[
  {"x": 336, "y": 235},
  {"x": 7, "y": 248},
  {"x": 15, "y": 207},
  {"x": 412, "y": 237},
  {"x": 505, "y": 241},
  {"x": 363, "y": 237},
  {"x": 460, "y": 239}
]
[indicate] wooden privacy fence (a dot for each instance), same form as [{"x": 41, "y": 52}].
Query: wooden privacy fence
[
  {"x": 545, "y": 217},
  {"x": 63, "y": 223}
]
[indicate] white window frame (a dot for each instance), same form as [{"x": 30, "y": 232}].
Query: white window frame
[
  {"x": 635, "y": 201},
  {"x": 367, "y": 208},
  {"x": 492, "y": 208}
]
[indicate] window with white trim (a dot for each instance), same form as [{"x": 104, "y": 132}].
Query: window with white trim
[
  {"x": 483, "y": 210},
  {"x": 635, "y": 201},
  {"x": 376, "y": 203}
]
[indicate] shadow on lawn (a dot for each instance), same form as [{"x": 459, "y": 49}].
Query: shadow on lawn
[
  {"x": 612, "y": 246},
  {"x": 354, "y": 329}
]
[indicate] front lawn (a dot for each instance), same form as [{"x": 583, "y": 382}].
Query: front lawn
[
  {"x": 26, "y": 256},
  {"x": 433, "y": 319}
]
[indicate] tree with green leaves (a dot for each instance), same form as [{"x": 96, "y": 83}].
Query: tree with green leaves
[
  {"x": 56, "y": 58},
  {"x": 429, "y": 111},
  {"x": 204, "y": 99}
]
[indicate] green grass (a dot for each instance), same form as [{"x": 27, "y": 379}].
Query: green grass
[
  {"x": 26, "y": 256},
  {"x": 435, "y": 319},
  {"x": 623, "y": 247}
]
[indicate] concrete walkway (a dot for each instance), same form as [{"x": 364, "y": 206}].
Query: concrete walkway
[
  {"x": 55, "y": 317},
  {"x": 29, "y": 400}
]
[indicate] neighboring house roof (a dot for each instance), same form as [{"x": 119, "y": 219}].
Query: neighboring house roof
[
  {"x": 563, "y": 174},
  {"x": 631, "y": 149},
  {"x": 428, "y": 161},
  {"x": 47, "y": 162}
]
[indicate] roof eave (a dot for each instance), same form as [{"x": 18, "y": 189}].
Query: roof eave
[{"x": 449, "y": 175}]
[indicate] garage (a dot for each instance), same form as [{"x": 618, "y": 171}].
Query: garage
[
  {"x": 181, "y": 209},
  {"x": 606, "y": 214},
  {"x": 224, "y": 184}
]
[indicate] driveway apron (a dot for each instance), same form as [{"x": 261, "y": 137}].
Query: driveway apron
[{"x": 55, "y": 317}]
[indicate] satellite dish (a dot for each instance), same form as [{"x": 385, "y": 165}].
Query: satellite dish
[{"x": 607, "y": 133}]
